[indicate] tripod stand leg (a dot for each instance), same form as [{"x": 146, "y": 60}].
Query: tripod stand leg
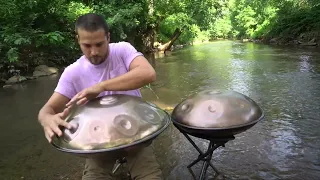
[
  {"x": 192, "y": 173},
  {"x": 204, "y": 170},
  {"x": 215, "y": 169},
  {"x": 202, "y": 155},
  {"x": 193, "y": 144}
]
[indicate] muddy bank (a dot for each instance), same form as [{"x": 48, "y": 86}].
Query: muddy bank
[{"x": 303, "y": 40}]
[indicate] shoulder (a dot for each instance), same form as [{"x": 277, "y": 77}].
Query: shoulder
[
  {"x": 122, "y": 47},
  {"x": 121, "y": 44}
]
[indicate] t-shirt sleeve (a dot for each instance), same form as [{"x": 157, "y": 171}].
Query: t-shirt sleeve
[
  {"x": 128, "y": 53},
  {"x": 65, "y": 85}
]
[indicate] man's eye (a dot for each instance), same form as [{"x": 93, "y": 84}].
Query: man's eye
[
  {"x": 99, "y": 44},
  {"x": 87, "y": 45}
]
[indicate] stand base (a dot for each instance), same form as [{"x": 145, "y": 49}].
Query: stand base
[{"x": 206, "y": 156}]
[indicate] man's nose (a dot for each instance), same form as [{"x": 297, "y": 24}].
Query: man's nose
[{"x": 94, "y": 51}]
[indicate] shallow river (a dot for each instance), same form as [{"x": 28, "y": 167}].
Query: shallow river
[{"x": 284, "y": 81}]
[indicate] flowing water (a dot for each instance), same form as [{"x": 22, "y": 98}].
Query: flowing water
[{"x": 284, "y": 81}]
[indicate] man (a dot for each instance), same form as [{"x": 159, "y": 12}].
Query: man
[{"x": 104, "y": 69}]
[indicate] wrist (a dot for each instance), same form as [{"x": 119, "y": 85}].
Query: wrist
[
  {"x": 102, "y": 86},
  {"x": 43, "y": 116}
]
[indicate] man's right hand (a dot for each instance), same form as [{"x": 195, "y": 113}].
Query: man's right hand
[{"x": 51, "y": 124}]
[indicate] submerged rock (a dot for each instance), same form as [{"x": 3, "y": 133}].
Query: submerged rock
[
  {"x": 15, "y": 79},
  {"x": 39, "y": 73},
  {"x": 43, "y": 70},
  {"x": 7, "y": 86}
]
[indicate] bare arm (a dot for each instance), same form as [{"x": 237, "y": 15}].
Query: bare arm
[
  {"x": 140, "y": 74},
  {"x": 55, "y": 104}
]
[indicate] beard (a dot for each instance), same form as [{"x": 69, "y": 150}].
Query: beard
[{"x": 96, "y": 60}]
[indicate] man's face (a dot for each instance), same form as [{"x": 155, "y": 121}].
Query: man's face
[{"x": 94, "y": 45}]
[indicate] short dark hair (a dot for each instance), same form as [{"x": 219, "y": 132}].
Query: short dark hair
[{"x": 91, "y": 22}]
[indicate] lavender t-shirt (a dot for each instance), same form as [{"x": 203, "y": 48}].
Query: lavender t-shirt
[{"x": 82, "y": 74}]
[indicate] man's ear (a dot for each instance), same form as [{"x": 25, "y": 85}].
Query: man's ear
[{"x": 77, "y": 38}]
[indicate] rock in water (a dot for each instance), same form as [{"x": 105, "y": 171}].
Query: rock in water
[
  {"x": 43, "y": 70},
  {"x": 15, "y": 79}
]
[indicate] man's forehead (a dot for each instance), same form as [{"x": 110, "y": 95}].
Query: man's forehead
[
  {"x": 91, "y": 41},
  {"x": 99, "y": 31},
  {"x": 83, "y": 34}
]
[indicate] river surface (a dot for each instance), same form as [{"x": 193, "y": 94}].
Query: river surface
[{"x": 284, "y": 81}]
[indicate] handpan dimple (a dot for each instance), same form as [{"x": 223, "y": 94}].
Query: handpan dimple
[
  {"x": 211, "y": 109},
  {"x": 186, "y": 107},
  {"x": 109, "y": 100},
  {"x": 70, "y": 134},
  {"x": 74, "y": 127},
  {"x": 147, "y": 114},
  {"x": 213, "y": 92},
  {"x": 126, "y": 125},
  {"x": 98, "y": 131}
]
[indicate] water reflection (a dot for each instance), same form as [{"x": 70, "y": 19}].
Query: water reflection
[{"x": 304, "y": 64}]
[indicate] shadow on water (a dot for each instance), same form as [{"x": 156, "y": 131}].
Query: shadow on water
[{"x": 285, "y": 82}]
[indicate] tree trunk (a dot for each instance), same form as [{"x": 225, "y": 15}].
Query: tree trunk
[
  {"x": 168, "y": 45},
  {"x": 132, "y": 37},
  {"x": 148, "y": 40},
  {"x": 149, "y": 36}
]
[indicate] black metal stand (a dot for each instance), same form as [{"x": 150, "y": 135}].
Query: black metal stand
[
  {"x": 118, "y": 163},
  {"x": 206, "y": 156}
]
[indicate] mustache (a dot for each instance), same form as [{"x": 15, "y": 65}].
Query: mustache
[{"x": 95, "y": 57}]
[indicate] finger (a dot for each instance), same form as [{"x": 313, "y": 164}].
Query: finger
[
  {"x": 64, "y": 124},
  {"x": 82, "y": 94},
  {"x": 82, "y": 101},
  {"x": 49, "y": 134},
  {"x": 48, "y": 137},
  {"x": 65, "y": 113},
  {"x": 55, "y": 128},
  {"x": 73, "y": 100},
  {"x": 69, "y": 105}
]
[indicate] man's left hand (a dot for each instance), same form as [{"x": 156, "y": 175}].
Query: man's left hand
[{"x": 85, "y": 95}]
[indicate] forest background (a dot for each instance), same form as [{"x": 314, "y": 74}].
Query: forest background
[{"x": 35, "y": 32}]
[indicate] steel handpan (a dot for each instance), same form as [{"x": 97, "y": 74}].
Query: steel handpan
[
  {"x": 217, "y": 113},
  {"x": 111, "y": 123}
]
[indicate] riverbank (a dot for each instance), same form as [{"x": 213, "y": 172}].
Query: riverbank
[
  {"x": 6, "y": 81},
  {"x": 309, "y": 39},
  {"x": 39, "y": 71}
]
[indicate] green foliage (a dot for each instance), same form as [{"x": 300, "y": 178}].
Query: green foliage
[
  {"x": 123, "y": 18},
  {"x": 270, "y": 18},
  {"x": 34, "y": 31},
  {"x": 169, "y": 25},
  {"x": 13, "y": 55},
  {"x": 292, "y": 24},
  {"x": 198, "y": 35},
  {"x": 29, "y": 27}
]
